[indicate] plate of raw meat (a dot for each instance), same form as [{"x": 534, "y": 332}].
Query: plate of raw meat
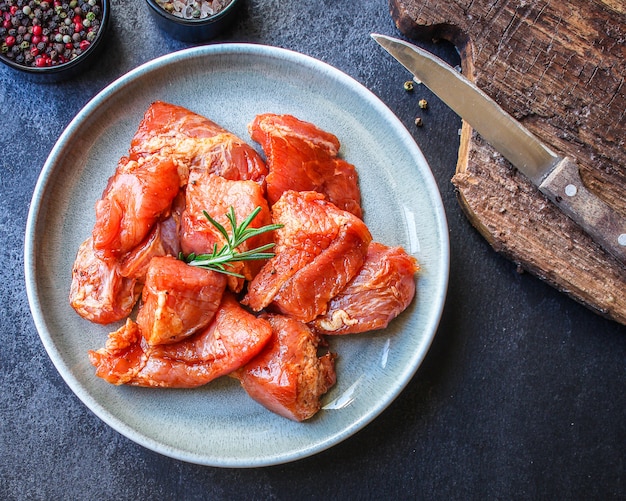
[{"x": 285, "y": 173}]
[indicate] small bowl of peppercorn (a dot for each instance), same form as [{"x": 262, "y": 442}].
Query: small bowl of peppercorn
[
  {"x": 193, "y": 20},
  {"x": 52, "y": 40}
]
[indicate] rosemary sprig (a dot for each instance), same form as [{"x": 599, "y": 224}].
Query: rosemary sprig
[{"x": 219, "y": 259}]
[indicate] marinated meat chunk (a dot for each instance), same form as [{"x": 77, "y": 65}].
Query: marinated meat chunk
[
  {"x": 382, "y": 289},
  {"x": 195, "y": 142},
  {"x": 123, "y": 355},
  {"x": 177, "y": 300},
  {"x": 231, "y": 340},
  {"x": 215, "y": 195},
  {"x": 318, "y": 251},
  {"x": 288, "y": 377},
  {"x": 99, "y": 292},
  {"x": 135, "y": 198},
  {"x": 163, "y": 240},
  {"x": 303, "y": 157}
]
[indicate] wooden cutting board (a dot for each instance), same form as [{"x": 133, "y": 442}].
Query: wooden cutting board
[{"x": 559, "y": 67}]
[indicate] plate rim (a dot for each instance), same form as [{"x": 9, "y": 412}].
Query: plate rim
[{"x": 118, "y": 86}]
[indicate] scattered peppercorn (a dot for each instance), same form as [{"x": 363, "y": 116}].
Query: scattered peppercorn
[
  {"x": 423, "y": 104},
  {"x": 38, "y": 33},
  {"x": 408, "y": 85},
  {"x": 419, "y": 122}
]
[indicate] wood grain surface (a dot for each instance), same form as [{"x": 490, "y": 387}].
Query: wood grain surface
[{"x": 559, "y": 67}]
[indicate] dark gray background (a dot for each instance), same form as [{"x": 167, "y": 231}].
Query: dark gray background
[{"x": 520, "y": 397}]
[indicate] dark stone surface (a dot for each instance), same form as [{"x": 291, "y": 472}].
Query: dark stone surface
[{"x": 520, "y": 397}]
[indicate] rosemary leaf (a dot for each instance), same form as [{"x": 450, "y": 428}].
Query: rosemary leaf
[{"x": 219, "y": 259}]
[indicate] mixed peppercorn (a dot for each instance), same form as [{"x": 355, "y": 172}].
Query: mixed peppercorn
[
  {"x": 193, "y": 9},
  {"x": 40, "y": 33}
]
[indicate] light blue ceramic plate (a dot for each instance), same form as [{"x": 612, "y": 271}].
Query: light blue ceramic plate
[{"x": 219, "y": 424}]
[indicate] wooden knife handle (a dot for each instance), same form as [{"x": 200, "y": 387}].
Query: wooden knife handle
[{"x": 565, "y": 188}]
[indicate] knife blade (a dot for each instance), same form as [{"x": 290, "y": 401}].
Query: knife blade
[{"x": 557, "y": 177}]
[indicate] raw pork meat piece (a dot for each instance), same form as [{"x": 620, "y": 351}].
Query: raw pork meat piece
[
  {"x": 135, "y": 198},
  {"x": 288, "y": 377},
  {"x": 177, "y": 300},
  {"x": 163, "y": 240},
  {"x": 99, "y": 292},
  {"x": 383, "y": 288},
  {"x": 318, "y": 251},
  {"x": 303, "y": 157},
  {"x": 195, "y": 142},
  {"x": 231, "y": 340},
  {"x": 215, "y": 195}
]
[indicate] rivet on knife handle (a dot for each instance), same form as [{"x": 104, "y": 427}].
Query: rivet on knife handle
[{"x": 565, "y": 188}]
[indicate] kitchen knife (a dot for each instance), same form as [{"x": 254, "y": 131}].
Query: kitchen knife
[{"x": 555, "y": 176}]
